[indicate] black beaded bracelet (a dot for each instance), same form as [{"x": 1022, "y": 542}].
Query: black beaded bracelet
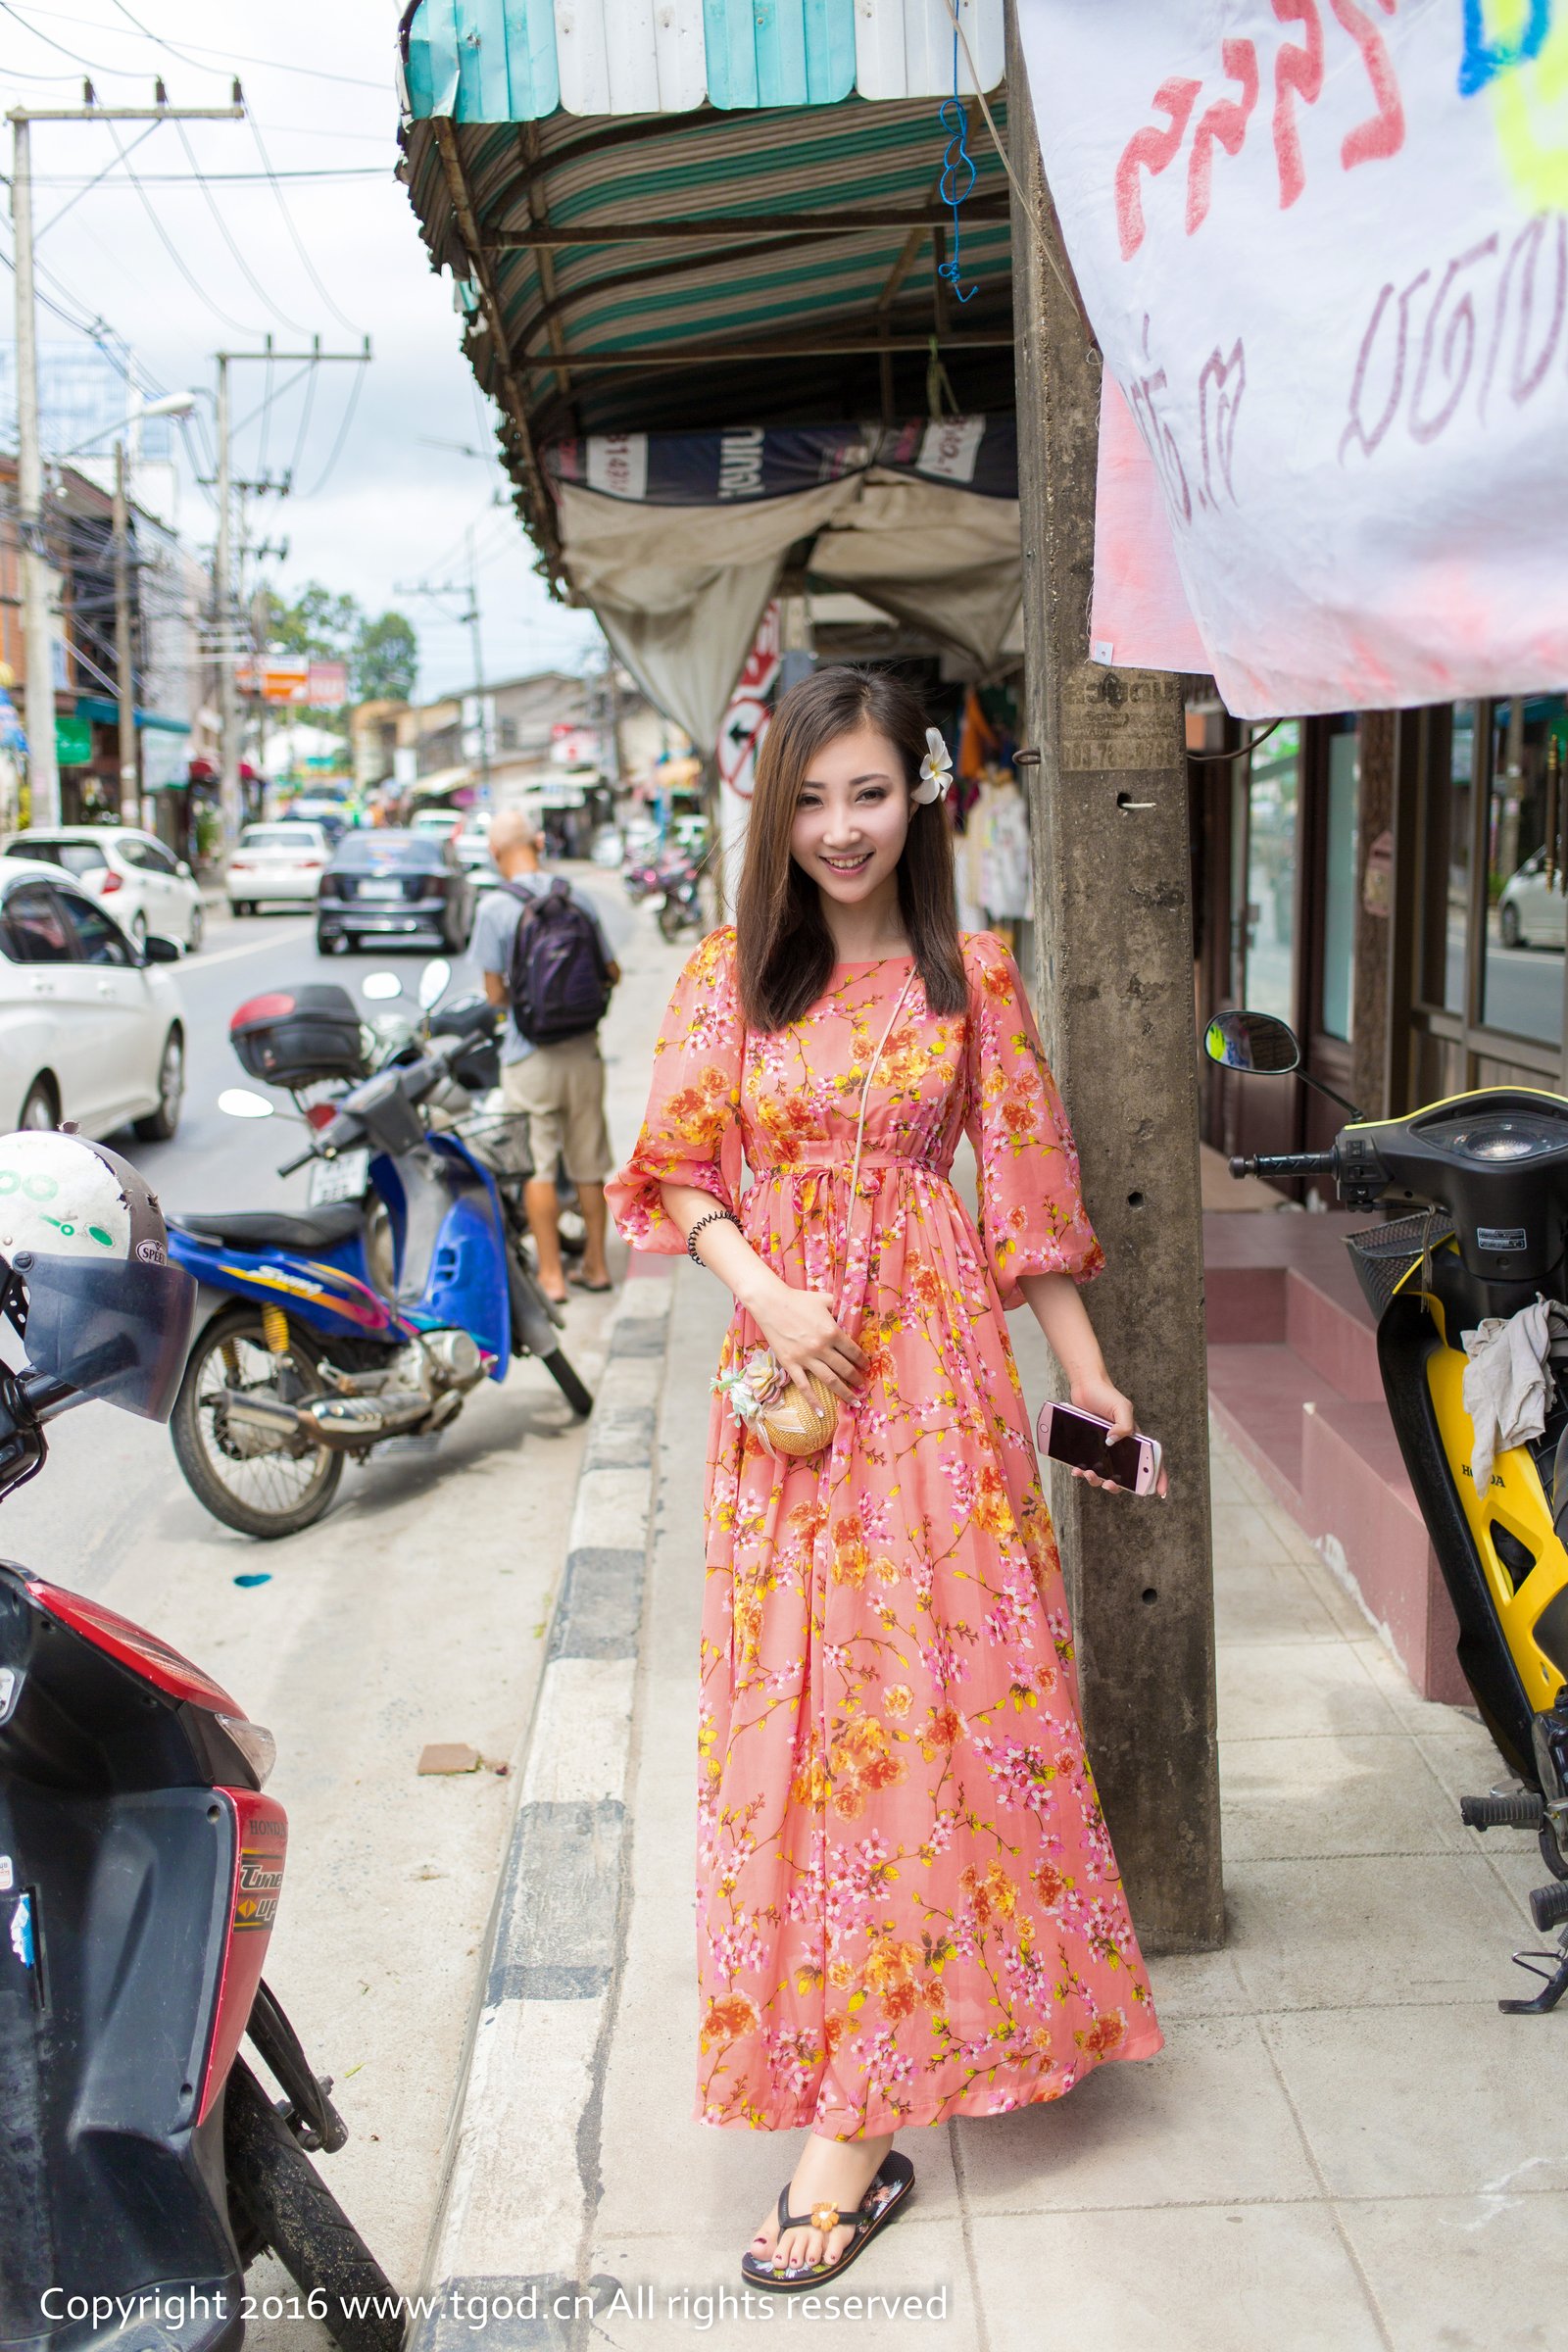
[{"x": 715, "y": 1216}]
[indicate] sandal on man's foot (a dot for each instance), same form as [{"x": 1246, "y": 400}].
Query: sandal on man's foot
[{"x": 881, "y": 2201}]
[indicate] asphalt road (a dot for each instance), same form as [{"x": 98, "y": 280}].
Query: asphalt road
[
  {"x": 106, "y": 1468},
  {"x": 413, "y": 1611}
]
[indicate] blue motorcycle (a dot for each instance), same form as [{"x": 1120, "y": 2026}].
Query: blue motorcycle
[{"x": 323, "y": 1332}]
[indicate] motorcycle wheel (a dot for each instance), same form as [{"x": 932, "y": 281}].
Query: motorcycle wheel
[
  {"x": 261, "y": 1494},
  {"x": 671, "y": 920},
  {"x": 278, "y": 2199},
  {"x": 567, "y": 1382}
]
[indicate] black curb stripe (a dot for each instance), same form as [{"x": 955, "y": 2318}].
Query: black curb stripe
[
  {"x": 624, "y": 1439},
  {"x": 557, "y": 1915},
  {"x": 600, "y": 1605},
  {"x": 640, "y": 1335}
]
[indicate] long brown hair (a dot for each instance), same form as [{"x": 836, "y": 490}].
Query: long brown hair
[{"x": 786, "y": 949}]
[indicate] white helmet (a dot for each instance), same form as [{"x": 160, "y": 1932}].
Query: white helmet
[{"x": 88, "y": 1282}]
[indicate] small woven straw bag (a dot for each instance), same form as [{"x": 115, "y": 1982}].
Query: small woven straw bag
[{"x": 786, "y": 1419}]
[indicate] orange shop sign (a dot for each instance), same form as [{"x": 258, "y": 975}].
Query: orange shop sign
[{"x": 292, "y": 678}]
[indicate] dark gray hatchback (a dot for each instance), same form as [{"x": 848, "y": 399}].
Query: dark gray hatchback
[{"x": 385, "y": 885}]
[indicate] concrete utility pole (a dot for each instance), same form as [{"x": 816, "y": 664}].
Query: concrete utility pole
[
  {"x": 435, "y": 590},
  {"x": 226, "y": 628},
  {"x": 37, "y": 633},
  {"x": 43, "y": 762},
  {"x": 124, "y": 667},
  {"x": 229, "y": 808},
  {"x": 1114, "y": 906}
]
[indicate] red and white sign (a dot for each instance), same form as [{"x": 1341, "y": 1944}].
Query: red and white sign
[
  {"x": 751, "y": 707},
  {"x": 573, "y": 747},
  {"x": 293, "y": 680}
]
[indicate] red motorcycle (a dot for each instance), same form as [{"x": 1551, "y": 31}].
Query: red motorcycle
[{"x": 142, "y": 2165}]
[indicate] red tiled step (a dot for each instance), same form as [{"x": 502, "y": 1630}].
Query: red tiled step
[{"x": 1359, "y": 1509}]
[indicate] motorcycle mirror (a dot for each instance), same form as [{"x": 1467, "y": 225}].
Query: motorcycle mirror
[
  {"x": 433, "y": 982},
  {"x": 1251, "y": 1041},
  {"x": 238, "y": 1102},
  {"x": 378, "y": 985}
]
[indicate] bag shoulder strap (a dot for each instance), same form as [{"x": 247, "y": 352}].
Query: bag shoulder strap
[{"x": 871, "y": 1071}]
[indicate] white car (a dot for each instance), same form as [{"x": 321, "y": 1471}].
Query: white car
[
  {"x": 440, "y": 824},
  {"x": 473, "y": 847},
  {"x": 149, "y": 891},
  {"x": 277, "y": 865},
  {"x": 1530, "y": 911},
  {"x": 92, "y": 1028}
]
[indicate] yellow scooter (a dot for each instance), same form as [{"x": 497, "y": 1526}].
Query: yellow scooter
[{"x": 1485, "y": 1178}]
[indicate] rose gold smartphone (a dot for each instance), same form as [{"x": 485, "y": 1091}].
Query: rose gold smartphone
[{"x": 1080, "y": 1439}]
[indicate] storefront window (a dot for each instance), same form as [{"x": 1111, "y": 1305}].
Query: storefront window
[
  {"x": 1462, "y": 771},
  {"x": 1526, "y": 934},
  {"x": 1338, "y": 881},
  {"x": 1273, "y": 795}
]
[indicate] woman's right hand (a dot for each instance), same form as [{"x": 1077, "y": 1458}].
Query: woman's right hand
[{"x": 799, "y": 1328}]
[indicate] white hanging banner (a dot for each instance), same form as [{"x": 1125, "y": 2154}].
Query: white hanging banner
[{"x": 1324, "y": 247}]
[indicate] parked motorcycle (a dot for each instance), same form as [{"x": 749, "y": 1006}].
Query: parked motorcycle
[
  {"x": 142, "y": 2165},
  {"x": 680, "y": 908},
  {"x": 1486, "y": 1176},
  {"x": 324, "y": 1333}
]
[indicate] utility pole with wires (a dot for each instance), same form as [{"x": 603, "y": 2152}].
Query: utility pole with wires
[
  {"x": 225, "y": 602},
  {"x": 436, "y": 590},
  {"x": 40, "y": 609}
]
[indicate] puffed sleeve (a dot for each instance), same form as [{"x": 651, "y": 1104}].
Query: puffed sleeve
[
  {"x": 690, "y": 1133},
  {"x": 1032, "y": 1216}
]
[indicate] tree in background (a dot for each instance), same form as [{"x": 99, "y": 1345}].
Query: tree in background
[
  {"x": 386, "y": 662},
  {"x": 382, "y": 657}
]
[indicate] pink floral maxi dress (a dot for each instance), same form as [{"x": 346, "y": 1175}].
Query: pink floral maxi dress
[{"x": 908, "y": 1903}]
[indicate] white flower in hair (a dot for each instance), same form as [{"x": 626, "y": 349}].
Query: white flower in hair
[{"x": 936, "y": 769}]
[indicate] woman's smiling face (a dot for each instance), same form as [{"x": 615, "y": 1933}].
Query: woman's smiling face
[{"x": 851, "y": 816}]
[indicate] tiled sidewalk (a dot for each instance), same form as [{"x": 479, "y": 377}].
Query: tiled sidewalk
[{"x": 1344, "y": 2144}]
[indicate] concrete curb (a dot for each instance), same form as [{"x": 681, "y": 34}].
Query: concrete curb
[{"x": 522, "y": 2168}]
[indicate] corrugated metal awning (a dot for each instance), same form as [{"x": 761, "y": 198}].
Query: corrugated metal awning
[{"x": 519, "y": 61}]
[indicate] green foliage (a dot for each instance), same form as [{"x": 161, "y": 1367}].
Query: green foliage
[
  {"x": 383, "y": 655},
  {"x": 385, "y": 661}
]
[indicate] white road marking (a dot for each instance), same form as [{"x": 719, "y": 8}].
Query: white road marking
[{"x": 206, "y": 959}]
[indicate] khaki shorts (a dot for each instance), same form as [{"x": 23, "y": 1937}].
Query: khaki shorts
[{"x": 561, "y": 1090}]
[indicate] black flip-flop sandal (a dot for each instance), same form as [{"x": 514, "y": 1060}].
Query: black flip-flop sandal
[
  {"x": 882, "y": 2200},
  {"x": 580, "y": 1282}
]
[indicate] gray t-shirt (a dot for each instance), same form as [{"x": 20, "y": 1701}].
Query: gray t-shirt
[{"x": 495, "y": 927}]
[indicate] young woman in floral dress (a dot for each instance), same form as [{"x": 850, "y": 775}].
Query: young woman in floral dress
[{"x": 907, "y": 1904}]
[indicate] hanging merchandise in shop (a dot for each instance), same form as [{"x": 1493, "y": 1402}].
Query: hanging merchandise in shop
[{"x": 1325, "y": 258}]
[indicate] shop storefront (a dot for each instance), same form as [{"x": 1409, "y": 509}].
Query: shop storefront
[{"x": 1392, "y": 884}]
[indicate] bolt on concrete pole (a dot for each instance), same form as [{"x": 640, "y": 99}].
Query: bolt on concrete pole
[
  {"x": 1113, "y": 904},
  {"x": 38, "y": 636}
]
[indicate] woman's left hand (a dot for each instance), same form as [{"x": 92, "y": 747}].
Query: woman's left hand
[{"x": 1100, "y": 1397}]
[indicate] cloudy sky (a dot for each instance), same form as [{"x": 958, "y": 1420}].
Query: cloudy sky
[{"x": 180, "y": 268}]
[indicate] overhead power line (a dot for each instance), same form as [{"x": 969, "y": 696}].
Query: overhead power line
[
  {"x": 192, "y": 51},
  {"x": 224, "y": 231},
  {"x": 288, "y": 221},
  {"x": 173, "y": 250}
]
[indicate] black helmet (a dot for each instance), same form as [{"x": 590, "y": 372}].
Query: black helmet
[{"x": 104, "y": 1309}]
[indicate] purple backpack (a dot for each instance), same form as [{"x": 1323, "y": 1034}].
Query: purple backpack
[{"x": 556, "y": 979}]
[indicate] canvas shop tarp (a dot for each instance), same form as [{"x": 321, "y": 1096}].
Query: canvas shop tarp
[
  {"x": 678, "y": 540},
  {"x": 753, "y": 247},
  {"x": 1324, "y": 247}
]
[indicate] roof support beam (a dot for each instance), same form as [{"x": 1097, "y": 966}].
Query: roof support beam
[
  {"x": 702, "y": 355},
  {"x": 541, "y": 512},
  {"x": 978, "y": 212}
]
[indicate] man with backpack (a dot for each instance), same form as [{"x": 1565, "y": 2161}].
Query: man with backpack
[{"x": 544, "y": 955}]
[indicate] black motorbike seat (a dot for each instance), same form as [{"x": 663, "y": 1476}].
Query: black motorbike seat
[{"x": 255, "y": 1229}]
